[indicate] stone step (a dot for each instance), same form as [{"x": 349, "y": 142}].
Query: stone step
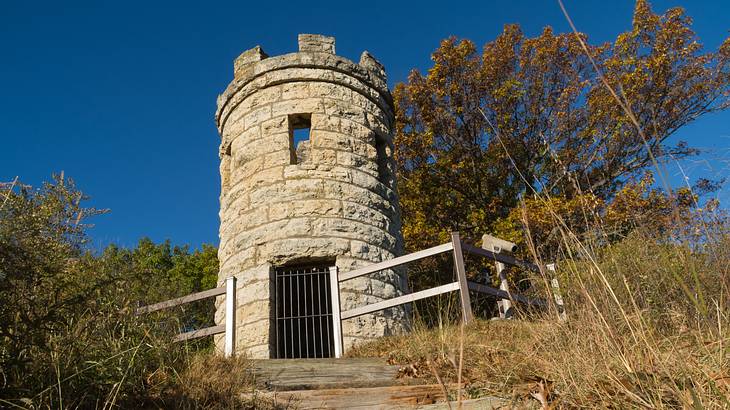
[{"x": 311, "y": 374}]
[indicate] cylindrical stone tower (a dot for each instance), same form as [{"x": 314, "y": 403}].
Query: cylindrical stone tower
[{"x": 307, "y": 182}]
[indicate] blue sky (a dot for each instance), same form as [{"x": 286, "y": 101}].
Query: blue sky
[{"x": 121, "y": 95}]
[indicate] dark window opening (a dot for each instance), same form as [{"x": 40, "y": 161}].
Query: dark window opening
[
  {"x": 225, "y": 167},
  {"x": 299, "y": 132},
  {"x": 385, "y": 173},
  {"x": 303, "y": 312}
]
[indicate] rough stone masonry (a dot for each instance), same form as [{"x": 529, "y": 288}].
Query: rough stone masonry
[{"x": 330, "y": 199}]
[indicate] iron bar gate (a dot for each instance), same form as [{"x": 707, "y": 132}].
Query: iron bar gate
[{"x": 303, "y": 312}]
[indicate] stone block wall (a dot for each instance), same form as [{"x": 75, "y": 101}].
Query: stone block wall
[{"x": 330, "y": 199}]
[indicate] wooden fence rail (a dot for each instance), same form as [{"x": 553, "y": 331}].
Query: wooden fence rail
[
  {"x": 182, "y": 300},
  {"x": 500, "y": 257},
  {"x": 462, "y": 284},
  {"x": 229, "y": 289}
]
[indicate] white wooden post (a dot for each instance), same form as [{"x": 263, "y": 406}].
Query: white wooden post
[
  {"x": 497, "y": 245},
  {"x": 505, "y": 305},
  {"x": 557, "y": 295},
  {"x": 230, "y": 335},
  {"x": 336, "y": 312}
]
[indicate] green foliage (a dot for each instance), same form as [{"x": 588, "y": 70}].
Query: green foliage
[
  {"x": 68, "y": 333},
  {"x": 43, "y": 269},
  {"x": 162, "y": 271}
]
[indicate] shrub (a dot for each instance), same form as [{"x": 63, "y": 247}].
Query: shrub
[{"x": 69, "y": 336}]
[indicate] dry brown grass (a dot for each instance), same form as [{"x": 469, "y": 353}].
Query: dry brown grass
[
  {"x": 573, "y": 364},
  {"x": 208, "y": 382},
  {"x": 634, "y": 338}
]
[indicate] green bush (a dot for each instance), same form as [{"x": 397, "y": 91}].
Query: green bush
[{"x": 69, "y": 336}]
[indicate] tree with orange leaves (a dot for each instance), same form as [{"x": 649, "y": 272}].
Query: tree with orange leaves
[{"x": 529, "y": 117}]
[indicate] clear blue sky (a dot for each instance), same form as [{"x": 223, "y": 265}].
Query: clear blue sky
[{"x": 121, "y": 94}]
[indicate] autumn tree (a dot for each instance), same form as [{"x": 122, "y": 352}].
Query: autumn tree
[{"x": 533, "y": 116}]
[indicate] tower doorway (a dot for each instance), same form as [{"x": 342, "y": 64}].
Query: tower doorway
[{"x": 303, "y": 312}]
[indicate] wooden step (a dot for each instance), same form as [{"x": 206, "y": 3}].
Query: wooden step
[
  {"x": 390, "y": 397},
  {"x": 309, "y": 374},
  {"x": 362, "y": 383},
  {"x": 484, "y": 403}
]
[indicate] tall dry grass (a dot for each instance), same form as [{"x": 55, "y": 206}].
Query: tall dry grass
[{"x": 647, "y": 328}]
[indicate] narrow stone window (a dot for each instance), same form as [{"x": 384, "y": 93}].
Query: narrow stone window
[
  {"x": 225, "y": 167},
  {"x": 384, "y": 167},
  {"x": 299, "y": 131}
]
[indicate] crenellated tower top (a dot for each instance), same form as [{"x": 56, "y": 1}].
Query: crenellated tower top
[{"x": 317, "y": 61}]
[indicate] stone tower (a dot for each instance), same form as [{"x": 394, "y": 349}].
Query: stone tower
[{"x": 289, "y": 206}]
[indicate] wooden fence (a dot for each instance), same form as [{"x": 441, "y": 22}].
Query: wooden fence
[
  {"x": 461, "y": 284},
  {"x": 229, "y": 328}
]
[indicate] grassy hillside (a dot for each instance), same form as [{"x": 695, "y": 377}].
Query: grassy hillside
[{"x": 647, "y": 328}]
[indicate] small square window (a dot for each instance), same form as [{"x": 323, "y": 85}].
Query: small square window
[{"x": 299, "y": 136}]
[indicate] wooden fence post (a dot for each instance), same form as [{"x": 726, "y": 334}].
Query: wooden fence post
[
  {"x": 557, "y": 294},
  {"x": 336, "y": 312},
  {"x": 461, "y": 274},
  {"x": 229, "y": 349},
  {"x": 505, "y": 305}
]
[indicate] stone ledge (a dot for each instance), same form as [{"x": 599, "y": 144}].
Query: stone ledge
[
  {"x": 340, "y": 68},
  {"x": 369, "y": 96}
]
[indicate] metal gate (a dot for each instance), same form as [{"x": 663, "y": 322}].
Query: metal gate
[{"x": 303, "y": 312}]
